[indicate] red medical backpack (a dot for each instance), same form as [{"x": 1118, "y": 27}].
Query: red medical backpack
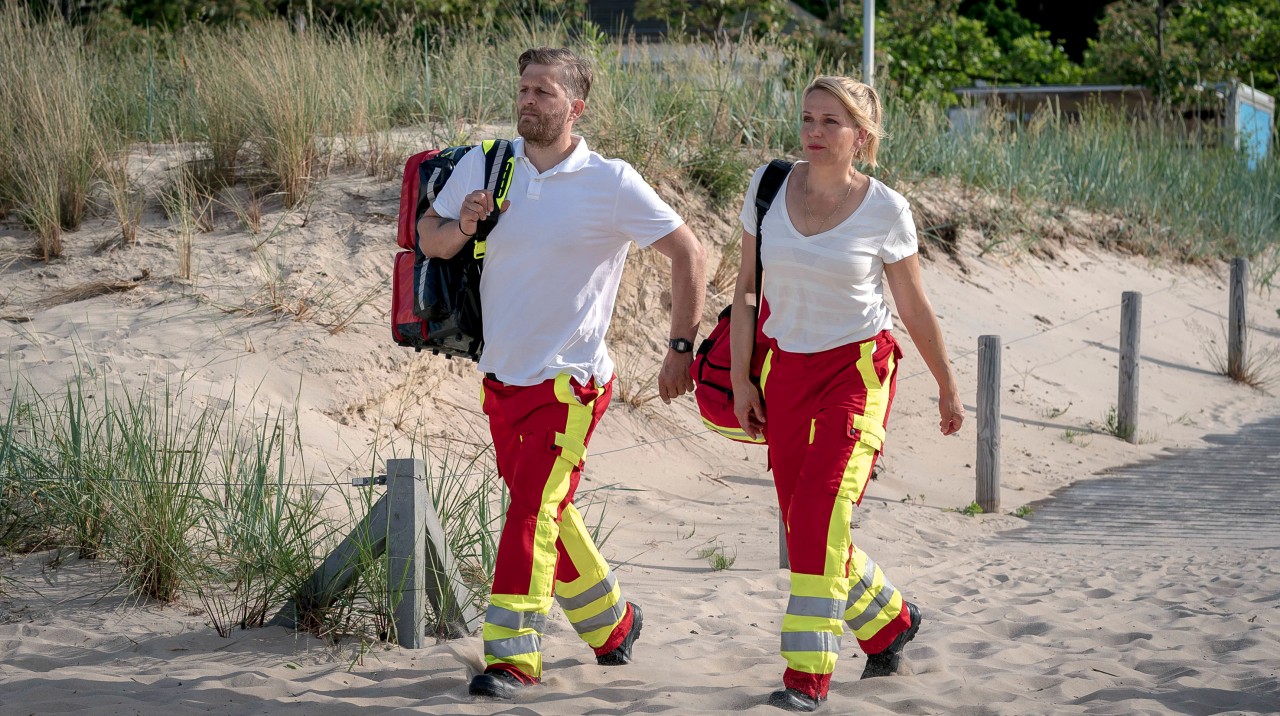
[
  {"x": 711, "y": 365},
  {"x": 435, "y": 303}
]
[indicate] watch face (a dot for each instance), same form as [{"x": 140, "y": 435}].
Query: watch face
[{"x": 681, "y": 345}]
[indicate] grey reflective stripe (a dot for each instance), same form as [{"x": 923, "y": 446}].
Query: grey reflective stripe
[
  {"x": 815, "y": 607},
  {"x": 873, "y": 609},
  {"x": 513, "y": 646},
  {"x": 431, "y": 185},
  {"x": 421, "y": 294},
  {"x": 810, "y": 641},
  {"x": 608, "y": 617},
  {"x": 864, "y": 583},
  {"x": 496, "y": 171},
  {"x": 593, "y": 593},
  {"x": 515, "y": 620}
]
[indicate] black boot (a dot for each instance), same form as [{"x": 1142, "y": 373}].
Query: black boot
[
  {"x": 622, "y": 654},
  {"x": 887, "y": 661},
  {"x": 496, "y": 684},
  {"x": 792, "y": 700}
]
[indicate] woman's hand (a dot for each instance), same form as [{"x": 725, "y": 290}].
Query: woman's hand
[
  {"x": 748, "y": 408},
  {"x": 951, "y": 410}
]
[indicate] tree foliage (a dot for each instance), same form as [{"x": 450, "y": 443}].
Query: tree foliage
[
  {"x": 926, "y": 48},
  {"x": 1197, "y": 42},
  {"x": 715, "y": 17}
]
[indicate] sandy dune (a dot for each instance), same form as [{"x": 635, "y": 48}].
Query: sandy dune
[{"x": 1009, "y": 628}]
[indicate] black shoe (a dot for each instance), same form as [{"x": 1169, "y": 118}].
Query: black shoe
[
  {"x": 886, "y": 662},
  {"x": 622, "y": 654},
  {"x": 496, "y": 684},
  {"x": 792, "y": 700}
]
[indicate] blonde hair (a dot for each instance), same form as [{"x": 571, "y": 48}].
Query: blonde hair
[
  {"x": 575, "y": 74},
  {"x": 863, "y": 105}
]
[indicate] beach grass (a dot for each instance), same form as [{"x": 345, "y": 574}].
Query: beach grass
[
  {"x": 699, "y": 113},
  {"x": 196, "y": 500}
]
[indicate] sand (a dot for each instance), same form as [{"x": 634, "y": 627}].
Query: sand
[{"x": 1009, "y": 628}]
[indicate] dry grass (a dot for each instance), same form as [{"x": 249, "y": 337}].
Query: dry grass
[
  {"x": 1260, "y": 368},
  {"x": 636, "y": 381},
  {"x": 85, "y": 291}
]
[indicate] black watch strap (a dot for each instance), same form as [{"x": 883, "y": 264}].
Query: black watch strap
[{"x": 680, "y": 345}]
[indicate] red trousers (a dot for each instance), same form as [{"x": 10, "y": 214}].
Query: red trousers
[
  {"x": 540, "y": 435},
  {"x": 825, "y": 422}
]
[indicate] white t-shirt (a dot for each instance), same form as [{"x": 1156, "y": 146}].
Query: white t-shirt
[
  {"x": 827, "y": 290},
  {"x": 554, "y": 261}
]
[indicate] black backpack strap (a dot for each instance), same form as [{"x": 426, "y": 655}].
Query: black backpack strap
[
  {"x": 499, "y": 163},
  {"x": 770, "y": 183}
]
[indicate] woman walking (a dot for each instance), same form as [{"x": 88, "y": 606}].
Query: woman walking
[{"x": 829, "y": 247}]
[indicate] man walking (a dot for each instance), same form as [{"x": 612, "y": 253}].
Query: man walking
[{"x": 551, "y": 275}]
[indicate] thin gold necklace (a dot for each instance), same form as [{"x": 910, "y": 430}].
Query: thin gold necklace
[{"x": 809, "y": 214}]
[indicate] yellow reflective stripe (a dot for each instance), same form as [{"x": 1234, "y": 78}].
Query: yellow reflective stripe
[
  {"x": 592, "y": 591},
  {"x": 733, "y": 433},
  {"x": 838, "y": 538},
  {"x": 609, "y": 595},
  {"x": 519, "y": 647},
  {"x": 512, "y": 647},
  {"x": 813, "y": 429},
  {"x": 591, "y": 567},
  {"x": 886, "y": 615},
  {"x": 802, "y": 623},
  {"x": 816, "y": 585},
  {"x": 504, "y": 182},
  {"x": 877, "y": 393},
  {"x": 764, "y": 369},
  {"x": 601, "y": 623},
  {"x": 523, "y": 602},
  {"x": 872, "y": 432},
  {"x": 811, "y": 652},
  {"x": 564, "y": 390},
  {"x": 570, "y": 448},
  {"x": 542, "y": 578},
  {"x": 811, "y": 644},
  {"x": 596, "y": 590},
  {"x": 872, "y": 603}
]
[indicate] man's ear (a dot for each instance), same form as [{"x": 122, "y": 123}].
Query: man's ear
[{"x": 576, "y": 108}]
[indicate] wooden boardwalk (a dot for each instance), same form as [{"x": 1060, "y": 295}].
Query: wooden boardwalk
[{"x": 1226, "y": 494}]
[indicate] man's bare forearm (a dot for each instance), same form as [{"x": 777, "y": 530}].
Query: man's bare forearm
[{"x": 440, "y": 238}]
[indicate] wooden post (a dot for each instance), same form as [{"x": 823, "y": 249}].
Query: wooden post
[
  {"x": 1236, "y": 330},
  {"x": 406, "y": 569},
  {"x": 339, "y": 570},
  {"x": 784, "y": 559},
  {"x": 988, "y": 462},
  {"x": 1130, "y": 352},
  {"x": 455, "y": 615},
  {"x": 395, "y": 526}
]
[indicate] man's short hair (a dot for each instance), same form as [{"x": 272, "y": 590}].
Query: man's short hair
[{"x": 575, "y": 75}]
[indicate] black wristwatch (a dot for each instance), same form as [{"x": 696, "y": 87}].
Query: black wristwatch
[{"x": 680, "y": 345}]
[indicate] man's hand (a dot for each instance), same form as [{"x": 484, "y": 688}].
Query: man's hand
[{"x": 673, "y": 379}]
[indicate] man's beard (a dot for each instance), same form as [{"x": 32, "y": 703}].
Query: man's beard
[{"x": 542, "y": 129}]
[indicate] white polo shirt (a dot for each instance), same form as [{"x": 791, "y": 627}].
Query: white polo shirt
[
  {"x": 827, "y": 290},
  {"x": 554, "y": 261}
]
